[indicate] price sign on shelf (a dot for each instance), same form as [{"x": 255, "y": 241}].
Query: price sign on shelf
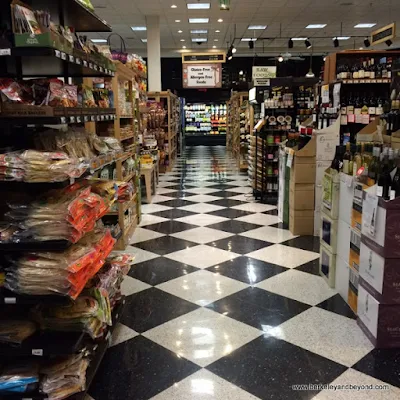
[{"x": 5, "y": 52}]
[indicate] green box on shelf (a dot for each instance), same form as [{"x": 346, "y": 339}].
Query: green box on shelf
[{"x": 47, "y": 39}]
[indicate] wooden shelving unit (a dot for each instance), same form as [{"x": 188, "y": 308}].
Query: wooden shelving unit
[{"x": 172, "y": 105}]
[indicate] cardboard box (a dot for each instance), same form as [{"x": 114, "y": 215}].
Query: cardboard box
[
  {"x": 303, "y": 173},
  {"x": 330, "y": 193},
  {"x": 48, "y": 39},
  {"x": 342, "y": 278},
  {"x": 301, "y": 222},
  {"x": 343, "y": 240},
  {"x": 354, "y": 279},
  {"x": 307, "y": 154},
  {"x": 329, "y": 232},
  {"x": 380, "y": 322},
  {"x": 301, "y": 197},
  {"x": 355, "y": 249},
  {"x": 381, "y": 276},
  {"x": 321, "y": 167},
  {"x": 327, "y": 265},
  {"x": 356, "y": 210},
  {"x": 317, "y": 223},
  {"x": 327, "y": 140},
  {"x": 318, "y": 198},
  {"x": 384, "y": 236},
  {"x": 346, "y": 195}
]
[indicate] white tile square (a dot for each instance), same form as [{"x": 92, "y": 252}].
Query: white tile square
[
  {"x": 259, "y": 219},
  {"x": 204, "y": 385},
  {"x": 325, "y": 333},
  {"x": 201, "y": 208},
  {"x": 201, "y": 190},
  {"x": 166, "y": 184},
  {"x": 149, "y": 219},
  {"x": 353, "y": 377},
  {"x": 161, "y": 190},
  {"x": 159, "y": 198},
  {"x": 153, "y": 208},
  {"x": 131, "y": 285},
  {"x": 254, "y": 207},
  {"x": 168, "y": 178},
  {"x": 121, "y": 334},
  {"x": 289, "y": 257},
  {"x": 240, "y": 189},
  {"x": 202, "y": 287},
  {"x": 202, "y": 219},
  {"x": 270, "y": 234},
  {"x": 202, "y": 336},
  {"x": 243, "y": 197},
  {"x": 297, "y": 285},
  {"x": 141, "y": 235},
  {"x": 203, "y": 198},
  {"x": 140, "y": 255},
  {"x": 202, "y": 235},
  {"x": 202, "y": 256}
]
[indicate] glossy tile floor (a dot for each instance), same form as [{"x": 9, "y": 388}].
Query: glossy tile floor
[{"x": 223, "y": 303}]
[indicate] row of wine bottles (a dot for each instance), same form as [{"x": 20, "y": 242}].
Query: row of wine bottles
[
  {"x": 366, "y": 68},
  {"x": 378, "y": 165}
]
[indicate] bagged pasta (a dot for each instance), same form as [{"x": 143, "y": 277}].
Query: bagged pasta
[
  {"x": 20, "y": 377},
  {"x": 16, "y": 331}
]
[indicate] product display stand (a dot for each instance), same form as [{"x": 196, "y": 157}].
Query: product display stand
[
  {"x": 82, "y": 203},
  {"x": 171, "y": 104}
]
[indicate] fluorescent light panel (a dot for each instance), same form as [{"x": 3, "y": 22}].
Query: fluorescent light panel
[
  {"x": 199, "y": 39},
  {"x": 299, "y": 38},
  {"x": 341, "y": 38},
  {"x": 198, "y": 6},
  {"x": 138, "y": 28},
  {"x": 249, "y": 39},
  {"x": 198, "y": 20},
  {"x": 199, "y": 31},
  {"x": 257, "y": 27},
  {"x": 144, "y": 40},
  {"x": 365, "y": 25},
  {"x": 315, "y": 26},
  {"x": 99, "y": 40}
]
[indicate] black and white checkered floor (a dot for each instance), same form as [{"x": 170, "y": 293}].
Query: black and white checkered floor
[{"x": 225, "y": 304}]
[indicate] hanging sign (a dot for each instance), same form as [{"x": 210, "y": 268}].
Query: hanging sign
[
  {"x": 381, "y": 35},
  {"x": 202, "y": 76},
  {"x": 206, "y": 58},
  {"x": 262, "y": 75}
]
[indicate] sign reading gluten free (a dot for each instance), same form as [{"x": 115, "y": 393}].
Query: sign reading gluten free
[{"x": 202, "y": 76}]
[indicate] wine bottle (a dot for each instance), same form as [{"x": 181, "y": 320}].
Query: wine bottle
[
  {"x": 347, "y": 159},
  {"x": 384, "y": 181},
  {"x": 372, "y": 68},
  {"x": 337, "y": 161},
  {"x": 357, "y": 105},
  {"x": 357, "y": 161}
]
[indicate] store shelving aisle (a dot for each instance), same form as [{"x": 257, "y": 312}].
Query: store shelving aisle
[{"x": 225, "y": 303}]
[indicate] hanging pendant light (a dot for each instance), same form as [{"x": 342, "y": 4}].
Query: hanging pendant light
[{"x": 310, "y": 73}]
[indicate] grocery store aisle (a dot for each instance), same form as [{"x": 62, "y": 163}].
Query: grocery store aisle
[{"x": 223, "y": 303}]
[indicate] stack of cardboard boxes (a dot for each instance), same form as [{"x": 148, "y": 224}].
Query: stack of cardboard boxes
[
  {"x": 302, "y": 189},
  {"x": 379, "y": 291}
]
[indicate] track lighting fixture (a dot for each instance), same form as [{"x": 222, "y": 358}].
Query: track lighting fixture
[
  {"x": 308, "y": 44},
  {"x": 251, "y": 44},
  {"x": 280, "y": 59},
  {"x": 388, "y": 43},
  {"x": 229, "y": 54},
  {"x": 336, "y": 42},
  {"x": 233, "y": 49},
  {"x": 367, "y": 43},
  {"x": 290, "y": 44}
]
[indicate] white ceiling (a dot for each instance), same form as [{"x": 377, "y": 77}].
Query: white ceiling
[{"x": 285, "y": 18}]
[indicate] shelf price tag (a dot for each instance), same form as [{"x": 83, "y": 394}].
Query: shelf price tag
[
  {"x": 90, "y": 65},
  {"x": 84, "y": 63},
  {"x": 101, "y": 69},
  {"x": 71, "y": 59},
  {"x": 86, "y": 118},
  {"x": 63, "y": 120},
  {"x": 93, "y": 118},
  {"x": 63, "y": 56},
  {"x": 96, "y": 68},
  {"x": 78, "y": 120},
  {"x": 37, "y": 352},
  {"x": 57, "y": 53},
  {"x": 102, "y": 117},
  {"x": 78, "y": 61},
  {"x": 10, "y": 300},
  {"x": 72, "y": 120},
  {"x": 5, "y": 52}
]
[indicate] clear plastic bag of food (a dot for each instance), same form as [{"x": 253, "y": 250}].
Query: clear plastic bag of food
[
  {"x": 18, "y": 377},
  {"x": 16, "y": 331}
]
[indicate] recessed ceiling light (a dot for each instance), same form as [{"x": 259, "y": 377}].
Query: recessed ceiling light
[
  {"x": 177, "y": 20},
  {"x": 198, "y": 20},
  {"x": 248, "y": 39},
  {"x": 341, "y": 38},
  {"x": 215, "y": 40},
  {"x": 299, "y": 38},
  {"x": 256, "y": 27},
  {"x": 365, "y": 25},
  {"x": 138, "y": 28},
  {"x": 361, "y": 48},
  {"x": 315, "y": 26},
  {"x": 217, "y": 31},
  {"x": 220, "y": 20},
  {"x": 198, "y": 6},
  {"x": 144, "y": 40},
  {"x": 99, "y": 40},
  {"x": 174, "y": 6},
  {"x": 214, "y": 47},
  {"x": 201, "y": 39},
  {"x": 182, "y": 40},
  {"x": 180, "y": 31},
  {"x": 199, "y": 31},
  {"x": 183, "y": 47}
]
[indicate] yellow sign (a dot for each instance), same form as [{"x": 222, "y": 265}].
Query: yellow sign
[
  {"x": 203, "y": 58},
  {"x": 388, "y": 32}
]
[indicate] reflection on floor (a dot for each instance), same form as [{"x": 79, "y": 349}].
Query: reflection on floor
[{"x": 224, "y": 304}]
